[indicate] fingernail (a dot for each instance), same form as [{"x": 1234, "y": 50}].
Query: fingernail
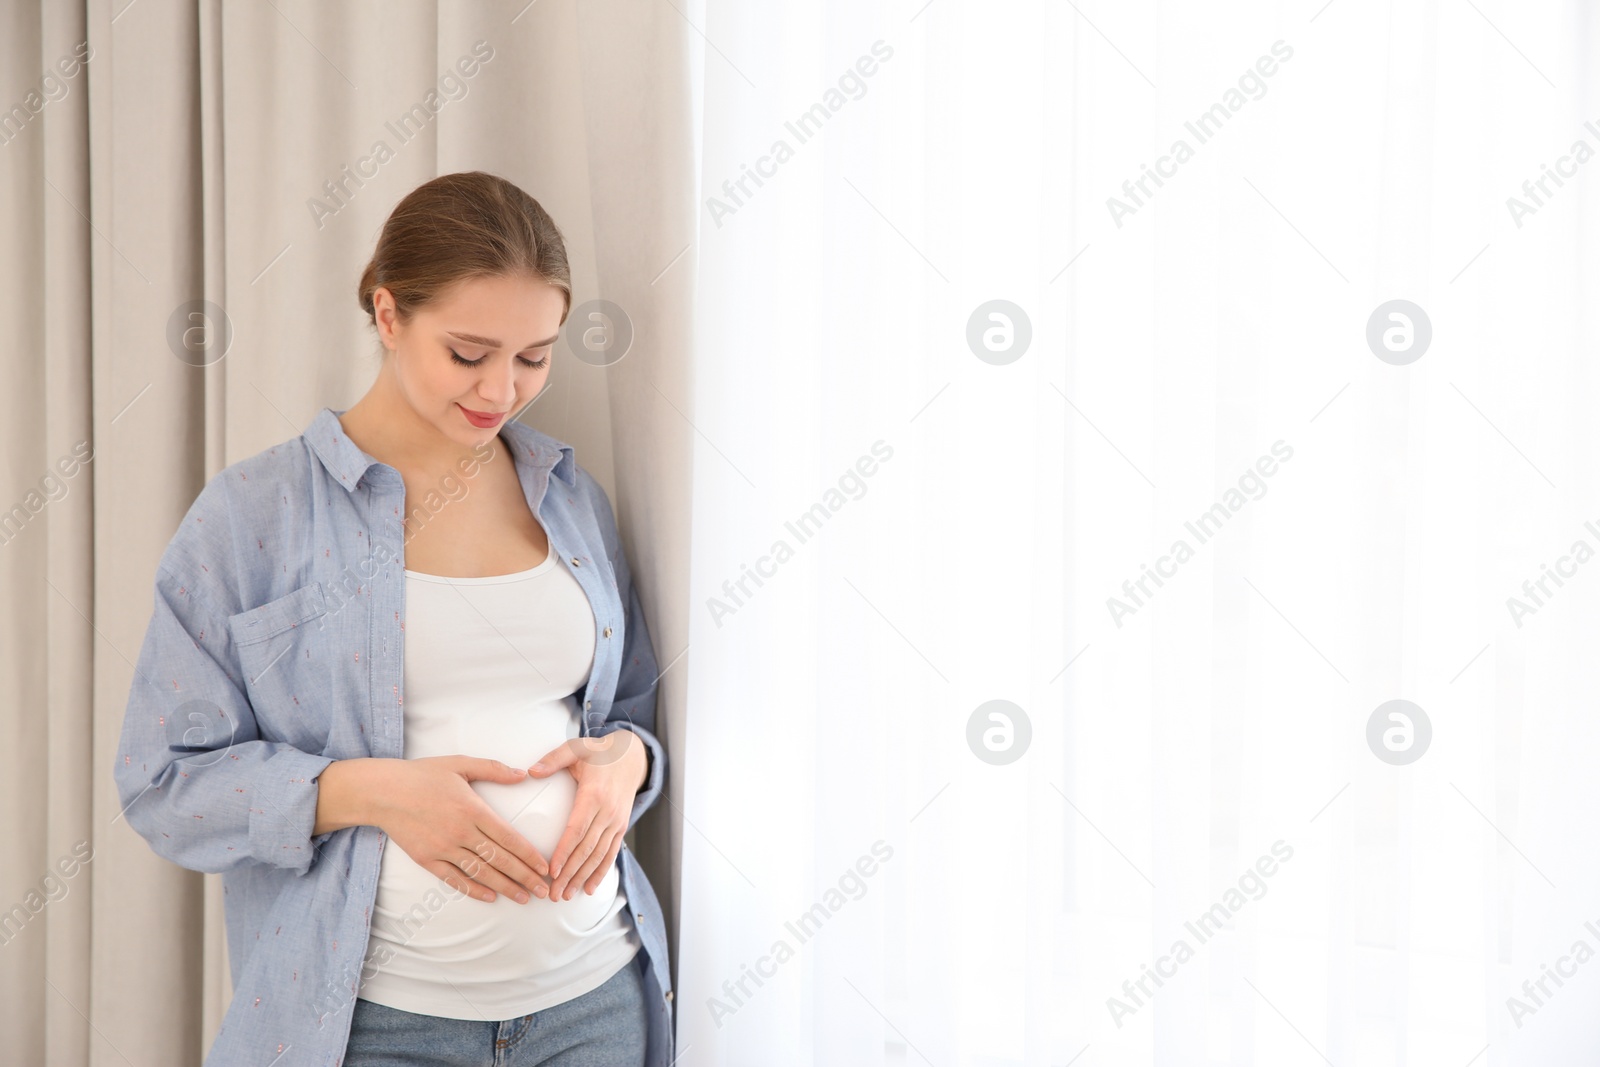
[
  {"x": 522, "y": 898},
  {"x": 538, "y": 766}
]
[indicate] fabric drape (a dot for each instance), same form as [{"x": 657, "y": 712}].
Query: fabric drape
[{"x": 225, "y": 168}]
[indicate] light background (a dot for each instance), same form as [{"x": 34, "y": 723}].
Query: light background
[{"x": 774, "y": 345}]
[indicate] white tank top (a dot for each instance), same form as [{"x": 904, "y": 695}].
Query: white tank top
[{"x": 495, "y": 667}]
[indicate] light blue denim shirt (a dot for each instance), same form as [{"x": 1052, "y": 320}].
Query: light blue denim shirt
[{"x": 275, "y": 648}]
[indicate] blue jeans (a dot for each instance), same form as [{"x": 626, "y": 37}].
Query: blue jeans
[{"x": 605, "y": 1027}]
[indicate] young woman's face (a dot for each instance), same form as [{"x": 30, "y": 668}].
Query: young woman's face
[{"x": 483, "y": 348}]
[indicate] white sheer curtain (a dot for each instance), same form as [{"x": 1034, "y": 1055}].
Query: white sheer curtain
[{"x": 1204, "y": 347}]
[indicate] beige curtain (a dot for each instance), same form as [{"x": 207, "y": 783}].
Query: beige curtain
[{"x": 246, "y": 154}]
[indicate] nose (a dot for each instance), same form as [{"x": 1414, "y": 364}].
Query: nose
[{"x": 498, "y": 387}]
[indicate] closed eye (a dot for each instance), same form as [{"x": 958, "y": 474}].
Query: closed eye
[{"x": 540, "y": 364}]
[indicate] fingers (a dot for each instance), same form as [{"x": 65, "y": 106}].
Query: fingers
[
  {"x": 581, "y": 863},
  {"x": 604, "y": 865},
  {"x": 483, "y": 769},
  {"x": 505, "y": 863},
  {"x": 516, "y": 849},
  {"x": 451, "y": 875},
  {"x": 593, "y": 870},
  {"x": 563, "y": 755},
  {"x": 583, "y": 817},
  {"x": 512, "y": 855},
  {"x": 486, "y": 874}
]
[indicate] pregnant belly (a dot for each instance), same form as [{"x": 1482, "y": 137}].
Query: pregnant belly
[
  {"x": 537, "y": 808},
  {"x": 432, "y": 921}
]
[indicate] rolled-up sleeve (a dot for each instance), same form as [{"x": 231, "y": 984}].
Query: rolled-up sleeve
[{"x": 194, "y": 777}]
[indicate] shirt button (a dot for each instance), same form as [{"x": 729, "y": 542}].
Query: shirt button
[
  {"x": 608, "y": 631},
  {"x": 587, "y": 705},
  {"x": 669, "y": 994},
  {"x": 575, "y": 562}
]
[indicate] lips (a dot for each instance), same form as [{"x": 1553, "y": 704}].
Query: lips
[{"x": 482, "y": 419}]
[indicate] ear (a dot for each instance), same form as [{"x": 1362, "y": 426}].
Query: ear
[{"x": 386, "y": 317}]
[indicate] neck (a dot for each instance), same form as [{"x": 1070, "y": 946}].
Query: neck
[{"x": 386, "y": 427}]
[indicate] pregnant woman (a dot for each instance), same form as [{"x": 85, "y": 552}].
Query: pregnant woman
[{"x": 399, "y": 691}]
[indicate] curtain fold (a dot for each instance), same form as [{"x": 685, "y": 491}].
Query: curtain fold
[
  {"x": 949, "y": 325},
  {"x": 225, "y": 168}
]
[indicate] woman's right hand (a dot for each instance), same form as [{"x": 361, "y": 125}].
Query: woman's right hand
[{"x": 427, "y": 807}]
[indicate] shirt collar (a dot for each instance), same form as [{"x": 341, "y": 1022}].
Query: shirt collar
[{"x": 346, "y": 462}]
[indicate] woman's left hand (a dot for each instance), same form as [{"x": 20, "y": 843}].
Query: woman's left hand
[{"x": 609, "y": 771}]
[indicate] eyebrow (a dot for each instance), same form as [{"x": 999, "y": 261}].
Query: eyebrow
[{"x": 489, "y": 342}]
